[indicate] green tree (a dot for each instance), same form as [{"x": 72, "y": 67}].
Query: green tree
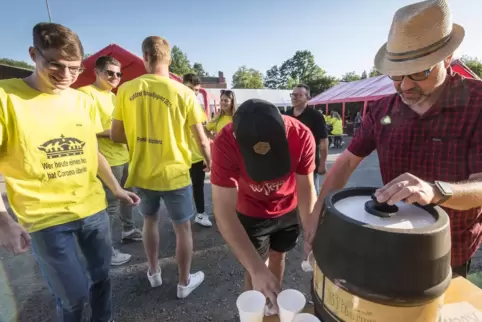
[
  {"x": 198, "y": 69},
  {"x": 364, "y": 75},
  {"x": 180, "y": 64},
  {"x": 474, "y": 64},
  {"x": 246, "y": 77},
  {"x": 16, "y": 63},
  {"x": 321, "y": 84},
  {"x": 274, "y": 79},
  {"x": 350, "y": 77},
  {"x": 374, "y": 72},
  {"x": 301, "y": 68}
]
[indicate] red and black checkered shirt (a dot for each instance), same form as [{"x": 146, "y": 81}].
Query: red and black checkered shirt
[{"x": 444, "y": 144}]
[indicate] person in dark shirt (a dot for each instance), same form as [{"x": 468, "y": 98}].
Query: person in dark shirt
[{"x": 315, "y": 121}]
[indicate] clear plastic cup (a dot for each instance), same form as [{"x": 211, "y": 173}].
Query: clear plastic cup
[
  {"x": 290, "y": 303},
  {"x": 305, "y": 317},
  {"x": 251, "y": 306}
]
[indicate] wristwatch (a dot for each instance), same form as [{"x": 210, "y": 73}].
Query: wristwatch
[{"x": 445, "y": 190}]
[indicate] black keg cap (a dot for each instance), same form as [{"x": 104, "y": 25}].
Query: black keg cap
[{"x": 380, "y": 209}]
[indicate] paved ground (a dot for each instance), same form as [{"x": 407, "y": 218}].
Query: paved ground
[{"x": 24, "y": 295}]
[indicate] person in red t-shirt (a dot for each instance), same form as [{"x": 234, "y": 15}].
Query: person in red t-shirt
[{"x": 262, "y": 179}]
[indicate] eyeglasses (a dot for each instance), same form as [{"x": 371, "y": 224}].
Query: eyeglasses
[
  {"x": 56, "y": 66},
  {"x": 295, "y": 95},
  {"x": 420, "y": 76},
  {"x": 111, "y": 73}
]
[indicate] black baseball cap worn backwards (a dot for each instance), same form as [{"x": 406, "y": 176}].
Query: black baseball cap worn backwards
[{"x": 261, "y": 135}]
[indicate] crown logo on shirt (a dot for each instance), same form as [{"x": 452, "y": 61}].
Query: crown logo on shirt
[{"x": 62, "y": 147}]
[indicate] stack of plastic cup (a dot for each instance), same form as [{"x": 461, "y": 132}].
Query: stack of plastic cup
[
  {"x": 251, "y": 306},
  {"x": 305, "y": 317},
  {"x": 290, "y": 303}
]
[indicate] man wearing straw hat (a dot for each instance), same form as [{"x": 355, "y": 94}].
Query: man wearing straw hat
[{"x": 428, "y": 135}]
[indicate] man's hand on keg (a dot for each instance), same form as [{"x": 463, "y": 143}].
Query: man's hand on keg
[
  {"x": 410, "y": 189},
  {"x": 265, "y": 282},
  {"x": 12, "y": 235}
]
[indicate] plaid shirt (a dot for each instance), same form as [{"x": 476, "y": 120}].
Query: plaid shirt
[{"x": 444, "y": 144}]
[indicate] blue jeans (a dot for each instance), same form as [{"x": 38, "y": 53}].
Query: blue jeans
[{"x": 57, "y": 254}]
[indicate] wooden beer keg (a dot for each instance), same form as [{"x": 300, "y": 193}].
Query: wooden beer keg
[{"x": 380, "y": 263}]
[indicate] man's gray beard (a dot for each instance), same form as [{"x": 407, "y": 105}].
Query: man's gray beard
[{"x": 423, "y": 97}]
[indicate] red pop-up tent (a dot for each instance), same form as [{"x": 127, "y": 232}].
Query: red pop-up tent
[
  {"x": 371, "y": 89},
  {"x": 132, "y": 67}
]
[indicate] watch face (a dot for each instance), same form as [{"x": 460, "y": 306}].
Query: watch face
[{"x": 444, "y": 188}]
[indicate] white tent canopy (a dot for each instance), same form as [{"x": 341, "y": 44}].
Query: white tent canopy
[{"x": 279, "y": 97}]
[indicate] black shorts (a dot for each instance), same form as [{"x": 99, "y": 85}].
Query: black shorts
[{"x": 279, "y": 234}]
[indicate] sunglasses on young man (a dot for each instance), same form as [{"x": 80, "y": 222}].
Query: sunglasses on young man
[{"x": 111, "y": 73}]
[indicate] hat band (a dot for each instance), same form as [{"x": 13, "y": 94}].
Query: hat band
[{"x": 419, "y": 53}]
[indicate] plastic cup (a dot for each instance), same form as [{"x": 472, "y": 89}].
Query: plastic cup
[
  {"x": 251, "y": 306},
  {"x": 305, "y": 317},
  {"x": 290, "y": 303}
]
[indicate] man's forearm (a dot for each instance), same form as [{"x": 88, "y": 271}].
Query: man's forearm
[
  {"x": 306, "y": 203},
  {"x": 104, "y": 134},
  {"x": 205, "y": 149},
  {"x": 466, "y": 195},
  {"x": 336, "y": 178},
  {"x": 236, "y": 237},
  {"x": 323, "y": 151},
  {"x": 104, "y": 172}
]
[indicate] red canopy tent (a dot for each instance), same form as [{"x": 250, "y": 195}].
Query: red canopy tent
[
  {"x": 370, "y": 89},
  {"x": 132, "y": 67}
]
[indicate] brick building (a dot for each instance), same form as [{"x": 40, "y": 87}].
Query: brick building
[{"x": 214, "y": 82}]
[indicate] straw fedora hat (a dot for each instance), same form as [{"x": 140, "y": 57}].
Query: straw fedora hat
[{"x": 422, "y": 34}]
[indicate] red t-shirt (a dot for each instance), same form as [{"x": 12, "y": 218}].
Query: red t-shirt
[{"x": 270, "y": 198}]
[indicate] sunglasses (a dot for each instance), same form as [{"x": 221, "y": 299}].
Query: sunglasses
[
  {"x": 111, "y": 73},
  {"x": 226, "y": 92},
  {"x": 56, "y": 66},
  {"x": 420, "y": 76}
]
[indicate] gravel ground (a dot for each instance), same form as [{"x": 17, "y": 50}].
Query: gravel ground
[{"x": 24, "y": 295}]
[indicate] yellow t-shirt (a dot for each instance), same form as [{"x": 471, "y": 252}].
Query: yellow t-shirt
[
  {"x": 196, "y": 155},
  {"x": 217, "y": 125},
  {"x": 115, "y": 153},
  {"x": 157, "y": 113},
  {"x": 48, "y": 155}
]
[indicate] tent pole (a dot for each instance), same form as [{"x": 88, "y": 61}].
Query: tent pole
[
  {"x": 326, "y": 109},
  {"x": 343, "y": 115},
  {"x": 364, "y": 108}
]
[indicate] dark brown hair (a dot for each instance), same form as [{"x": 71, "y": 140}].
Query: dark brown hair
[
  {"x": 55, "y": 36},
  {"x": 103, "y": 61},
  {"x": 157, "y": 48},
  {"x": 192, "y": 79}
]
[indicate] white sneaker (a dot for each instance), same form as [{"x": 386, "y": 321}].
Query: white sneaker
[
  {"x": 194, "y": 281},
  {"x": 203, "y": 220},
  {"x": 119, "y": 258},
  {"x": 155, "y": 279}
]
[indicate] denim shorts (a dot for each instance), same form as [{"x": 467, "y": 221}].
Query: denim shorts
[{"x": 179, "y": 203}]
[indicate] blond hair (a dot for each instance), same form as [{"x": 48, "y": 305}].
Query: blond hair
[{"x": 157, "y": 48}]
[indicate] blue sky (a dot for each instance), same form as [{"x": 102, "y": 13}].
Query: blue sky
[{"x": 223, "y": 35}]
